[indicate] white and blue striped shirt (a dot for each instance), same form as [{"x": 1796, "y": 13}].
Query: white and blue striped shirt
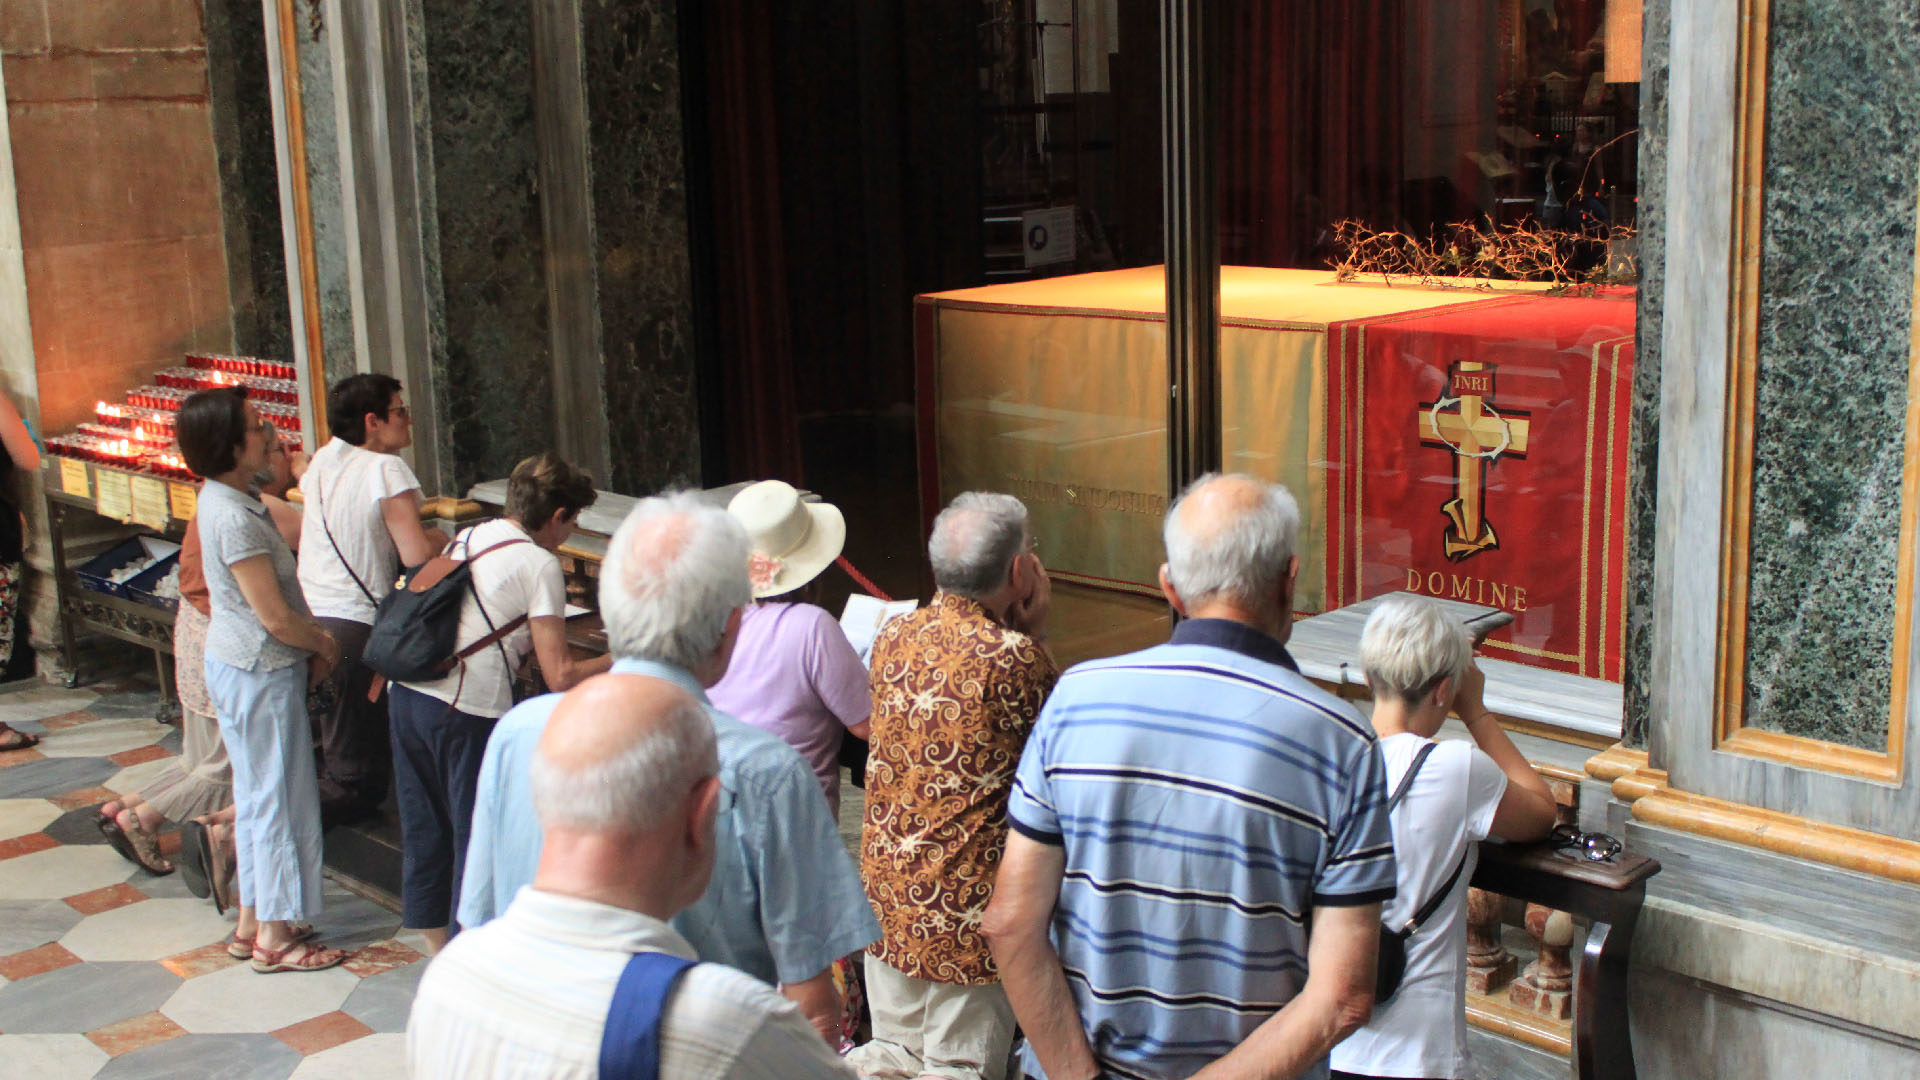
[{"x": 1207, "y": 797}]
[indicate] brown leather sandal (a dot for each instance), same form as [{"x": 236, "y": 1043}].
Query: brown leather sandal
[
  {"x": 15, "y": 739},
  {"x": 146, "y": 846},
  {"x": 316, "y": 957},
  {"x": 240, "y": 948}
]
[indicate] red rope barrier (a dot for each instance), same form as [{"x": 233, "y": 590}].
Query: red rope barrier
[{"x": 861, "y": 579}]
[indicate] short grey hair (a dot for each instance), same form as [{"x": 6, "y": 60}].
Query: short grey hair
[
  {"x": 1243, "y": 556},
  {"x": 975, "y": 540},
  {"x": 639, "y": 788},
  {"x": 675, "y": 570},
  {"x": 1409, "y": 644}
]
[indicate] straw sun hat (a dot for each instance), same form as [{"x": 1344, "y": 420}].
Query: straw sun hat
[{"x": 792, "y": 540}]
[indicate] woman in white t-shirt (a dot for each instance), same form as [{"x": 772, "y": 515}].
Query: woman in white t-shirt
[
  {"x": 1419, "y": 662},
  {"x": 440, "y": 728}
]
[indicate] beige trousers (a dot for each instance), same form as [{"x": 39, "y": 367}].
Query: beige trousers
[{"x": 930, "y": 1029}]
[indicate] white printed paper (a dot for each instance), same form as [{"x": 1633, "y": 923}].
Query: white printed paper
[{"x": 863, "y": 618}]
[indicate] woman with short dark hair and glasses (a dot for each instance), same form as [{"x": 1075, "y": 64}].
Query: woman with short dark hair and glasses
[
  {"x": 1446, "y": 797},
  {"x": 263, "y": 650},
  {"x": 196, "y": 789}
]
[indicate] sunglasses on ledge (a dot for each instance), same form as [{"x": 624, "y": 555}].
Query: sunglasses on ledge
[{"x": 1592, "y": 846}]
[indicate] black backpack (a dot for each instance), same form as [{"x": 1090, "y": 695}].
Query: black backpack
[{"x": 416, "y": 628}]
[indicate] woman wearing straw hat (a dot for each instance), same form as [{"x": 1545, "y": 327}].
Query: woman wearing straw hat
[{"x": 793, "y": 673}]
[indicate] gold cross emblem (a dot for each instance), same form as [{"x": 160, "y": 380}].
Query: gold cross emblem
[{"x": 1478, "y": 435}]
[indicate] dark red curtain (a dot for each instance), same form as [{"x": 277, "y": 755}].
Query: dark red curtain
[
  {"x": 760, "y": 423},
  {"x": 1312, "y": 122}
]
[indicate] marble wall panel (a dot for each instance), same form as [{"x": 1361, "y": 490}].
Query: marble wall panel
[
  {"x": 23, "y": 26},
  {"x": 119, "y": 194},
  {"x": 124, "y": 24},
  {"x": 633, "y": 69},
  {"x": 1496, "y": 1057},
  {"x": 1684, "y": 1030},
  {"x": 326, "y": 198},
  {"x": 496, "y": 394},
  {"x": 1644, "y": 449},
  {"x": 1836, "y": 304}
]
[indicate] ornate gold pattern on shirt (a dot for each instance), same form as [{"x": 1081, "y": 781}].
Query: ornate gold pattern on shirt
[{"x": 955, "y": 695}]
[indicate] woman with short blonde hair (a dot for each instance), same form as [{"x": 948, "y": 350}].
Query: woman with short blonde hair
[{"x": 1447, "y": 796}]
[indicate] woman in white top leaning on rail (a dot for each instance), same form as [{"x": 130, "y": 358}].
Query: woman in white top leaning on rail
[{"x": 1419, "y": 663}]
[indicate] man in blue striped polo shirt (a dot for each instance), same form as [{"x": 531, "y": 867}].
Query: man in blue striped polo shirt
[{"x": 1201, "y": 843}]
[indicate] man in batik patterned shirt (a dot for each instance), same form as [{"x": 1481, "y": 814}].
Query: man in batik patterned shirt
[{"x": 956, "y": 688}]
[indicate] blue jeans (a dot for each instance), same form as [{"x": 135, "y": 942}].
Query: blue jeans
[{"x": 436, "y": 766}]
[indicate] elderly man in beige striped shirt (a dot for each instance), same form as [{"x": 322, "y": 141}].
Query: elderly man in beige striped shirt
[{"x": 625, "y": 788}]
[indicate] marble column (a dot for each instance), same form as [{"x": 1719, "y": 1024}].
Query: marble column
[
  {"x": 249, "y": 180},
  {"x": 513, "y": 184},
  {"x": 314, "y": 40},
  {"x": 1490, "y": 966},
  {"x": 384, "y": 139},
  {"x": 1644, "y": 454},
  {"x": 1836, "y": 304},
  {"x": 496, "y": 381},
  {"x": 1546, "y": 986},
  {"x": 1835, "y": 307},
  {"x": 566, "y": 208},
  {"x": 642, "y": 260}
]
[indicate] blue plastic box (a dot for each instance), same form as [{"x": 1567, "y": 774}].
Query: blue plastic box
[{"x": 95, "y": 573}]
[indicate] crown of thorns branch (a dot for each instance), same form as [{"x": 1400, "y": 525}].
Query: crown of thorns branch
[{"x": 1477, "y": 255}]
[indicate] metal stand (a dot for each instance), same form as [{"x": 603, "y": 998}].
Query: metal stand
[{"x": 136, "y": 624}]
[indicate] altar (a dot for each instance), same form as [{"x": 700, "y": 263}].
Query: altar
[{"x": 1459, "y": 442}]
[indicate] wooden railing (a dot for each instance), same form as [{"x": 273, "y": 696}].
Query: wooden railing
[{"x": 1557, "y": 886}]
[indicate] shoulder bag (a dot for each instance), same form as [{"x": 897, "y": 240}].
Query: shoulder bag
[
  {"x": 415, "y": 632},
  {"x": 1391, "y": 967}
]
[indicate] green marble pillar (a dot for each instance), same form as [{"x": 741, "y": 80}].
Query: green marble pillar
[
  {"x": 1644, "y": 453},
  {"x": 495, "y": 377},
  {"x": 1842, "y": 184},
  {"x": 1841, "y": 176},
  {"x": 641, "y": 259}
]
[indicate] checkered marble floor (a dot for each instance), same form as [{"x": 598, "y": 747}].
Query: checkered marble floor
[{"x": 108, "y": 971}]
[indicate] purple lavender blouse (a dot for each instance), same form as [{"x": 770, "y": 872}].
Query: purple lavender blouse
[{"x": 795, "y": 675}]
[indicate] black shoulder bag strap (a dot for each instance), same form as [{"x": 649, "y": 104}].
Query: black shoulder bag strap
[
  {"x": 325, "y": 528},
  {"x": 1413, "y": 770},
  {"x": 1432, "y": 905},
  {"x": 495, "y": 634}
]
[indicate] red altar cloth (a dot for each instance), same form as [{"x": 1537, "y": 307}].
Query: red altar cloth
[
  {"x": 1480, "y": 454},
  {"x": 1056, "y": 391}
]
